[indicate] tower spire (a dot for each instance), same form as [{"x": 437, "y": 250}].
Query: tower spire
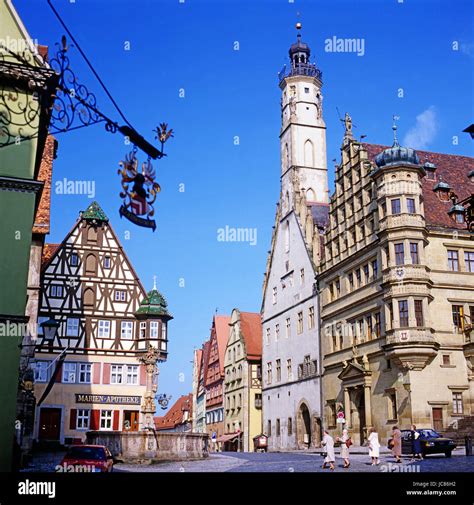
[{"x": 394, "y": 128}]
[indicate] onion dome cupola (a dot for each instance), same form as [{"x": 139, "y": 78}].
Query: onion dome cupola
[
  {"x": 153, "y": 319},
  {"x": 299, "y": 51},
  {"x": 299, "y": 57},
  {"x": 397, "y": 155}
]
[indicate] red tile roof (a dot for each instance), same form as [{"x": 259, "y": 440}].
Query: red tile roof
[
  {"x": 453, "y": 169},
  {"x": 45, "y": 174},
  {"x": 251, "y": 328},
  {"x": 175, "y": 415},
  {"x": 48, "y": 251},
  {"x": 222, "y": 333}
]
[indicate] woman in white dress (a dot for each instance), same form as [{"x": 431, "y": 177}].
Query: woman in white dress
[
  {"x": 328, "y": 444},
  {"x": 374, "y": 446}
]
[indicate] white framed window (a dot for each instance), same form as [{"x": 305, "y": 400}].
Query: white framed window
[
  {"x": 120, "y": 295},
  {"x": 288, "y": 327},
  {"x": 154, "y": 329},
  {"x": 277, "y": 332},
  {"x": 69, "y": 372},
  {"x": 274, "y": 295},
  {"x": 163, "y": 345},
  {"x": 163, "y": 331},
  {"x": 74, "y": 259},
  {"x": 107, "y": 262},
  {"x": 56, "y": 291},
  {"x": 302, "y": 276},
  {"x": 106, "y": 419},
  {"x": 142, "y": 329},
  {"x": 104, "y": 328},
  {"x": 311, "y": 318},
  {"x": 83, "y": 419},
  {"x": 127, "y": 329},
  {"x": 132, "y": 374},
  {"x": 85, "y": 373},
  {"x": 72, "y": 327},
  {"x": 116, "y": 374},
  {"x": 42, "y": 371},
  {"x": 268, "y": 336}
]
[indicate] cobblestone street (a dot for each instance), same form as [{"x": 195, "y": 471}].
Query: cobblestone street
[{"x": 280, "y": 462}]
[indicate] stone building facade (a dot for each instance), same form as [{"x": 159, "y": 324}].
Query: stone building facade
[
  {"x": 290, "y": 317},
  {"x": 397, "y": 291},
  {"x": 243, "y": 381}
]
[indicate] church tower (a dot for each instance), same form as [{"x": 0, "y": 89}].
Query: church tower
[{"x": 303, "y": 131}]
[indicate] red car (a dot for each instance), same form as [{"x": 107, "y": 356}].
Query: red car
[{"x": 87, "y": 458}]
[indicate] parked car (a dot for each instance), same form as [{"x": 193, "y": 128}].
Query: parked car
[
  {"x": 431, "y": 443},
  {"x": 87, "y": 458}
]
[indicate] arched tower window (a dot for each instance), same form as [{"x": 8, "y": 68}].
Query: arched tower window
[
  {"x": 308, "y": 154},
  {"x": 287, "y": 236},
  {"x": 310, "y": 195}
]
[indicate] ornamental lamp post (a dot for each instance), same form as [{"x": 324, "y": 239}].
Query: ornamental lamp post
[{"x": 50, "y": 329}]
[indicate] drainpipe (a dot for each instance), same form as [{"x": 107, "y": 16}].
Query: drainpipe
[{"x": 320, "y": 358}]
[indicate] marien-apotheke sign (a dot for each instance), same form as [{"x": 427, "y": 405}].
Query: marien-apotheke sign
[{"x": 114, "y": 399}]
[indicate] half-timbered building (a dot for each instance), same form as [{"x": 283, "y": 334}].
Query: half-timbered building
[{"x": 106, "y": 321}]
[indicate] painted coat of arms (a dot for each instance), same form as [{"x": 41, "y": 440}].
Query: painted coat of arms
[
  {"x": 139, "y": 191},
  {"x": 139, "y": 188}
]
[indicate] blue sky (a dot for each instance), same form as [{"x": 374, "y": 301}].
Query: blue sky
[{"x": 230, "y": 93}]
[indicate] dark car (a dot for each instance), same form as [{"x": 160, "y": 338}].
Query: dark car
[
  {"x": 431, "y": 443},
  {"x": 87, "y": 458}
]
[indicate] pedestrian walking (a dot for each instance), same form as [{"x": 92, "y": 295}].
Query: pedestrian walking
[
  {"x": 415, "y": 443},
  {"x": 374, "y": 446},
  {"x": 396, "y": 444},
  {"x": 328, "y": 444},
  {"x": 346, "y": 442}
]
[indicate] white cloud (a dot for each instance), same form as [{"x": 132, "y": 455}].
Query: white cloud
[{"x": 424, "y": 131}]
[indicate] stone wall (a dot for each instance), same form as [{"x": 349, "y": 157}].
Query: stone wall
[{"x": 149, "y": 446}]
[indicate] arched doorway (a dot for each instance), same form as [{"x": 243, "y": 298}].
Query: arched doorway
[{"x": 304, "y": 426}]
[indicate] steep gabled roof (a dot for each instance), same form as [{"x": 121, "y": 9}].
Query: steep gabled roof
[
  {"x": 251, "y": 328},
  {"x": 222, "y": 335},
  {"x": 175, "y": 415},
  {"x": 48, "y": 251},
  {"x": 453, "y": 169},
  {"x": 45, "y": 174}
]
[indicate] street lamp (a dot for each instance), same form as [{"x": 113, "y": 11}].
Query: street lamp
[{"x": 50, "y": 329}]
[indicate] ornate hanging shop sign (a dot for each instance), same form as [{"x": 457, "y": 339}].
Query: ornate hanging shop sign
[
  {"x": 139, "y": 191},
  {"x": 139, "y": 188}
]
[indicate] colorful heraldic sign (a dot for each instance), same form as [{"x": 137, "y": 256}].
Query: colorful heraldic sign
[
  {"x": 109, "y": 399},
  {"x": 139, "y": 191}
]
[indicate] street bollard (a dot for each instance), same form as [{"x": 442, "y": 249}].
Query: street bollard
[{"x": 468, "y": 445}]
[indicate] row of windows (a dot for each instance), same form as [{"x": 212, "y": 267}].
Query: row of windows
[
  {"x": 215, "y": 416},
  {"x": 83, "y": 419},
  {"x": 58, "y": 291},
  {"x": 235, "y": 352},
  {"x": 74, "y": 262},
  {"x": 370, "y": 272},
  {"x": 233, "y": 402},
  {"x": 104, "y": 328},
  {"x": 361, "y": 330},
  {"x": 299, "y": 326},
  {"x": 275, "y": 289},
  {"x": 214, "y": 392},
  {"x": 278, "y": 430},
  {"x": 453, "y": 261},
  {"x": 81, "y": 373},
  {"x": 305, "y": 369}
]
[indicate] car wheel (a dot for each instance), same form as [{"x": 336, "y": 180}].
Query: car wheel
[{"x": 448, "y": 454}]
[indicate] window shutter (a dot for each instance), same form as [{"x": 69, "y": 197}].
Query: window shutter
[
  {"x": 106, "y": 374},
  {"x": 59, "y": 376},
  {"x": 96, "y": 373},
  {"x": 115, "y": 426},
  {"x": 142, "y": 375},
  {"x": 72, "y": 419},
  {"x": 95, "y": 420}
]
